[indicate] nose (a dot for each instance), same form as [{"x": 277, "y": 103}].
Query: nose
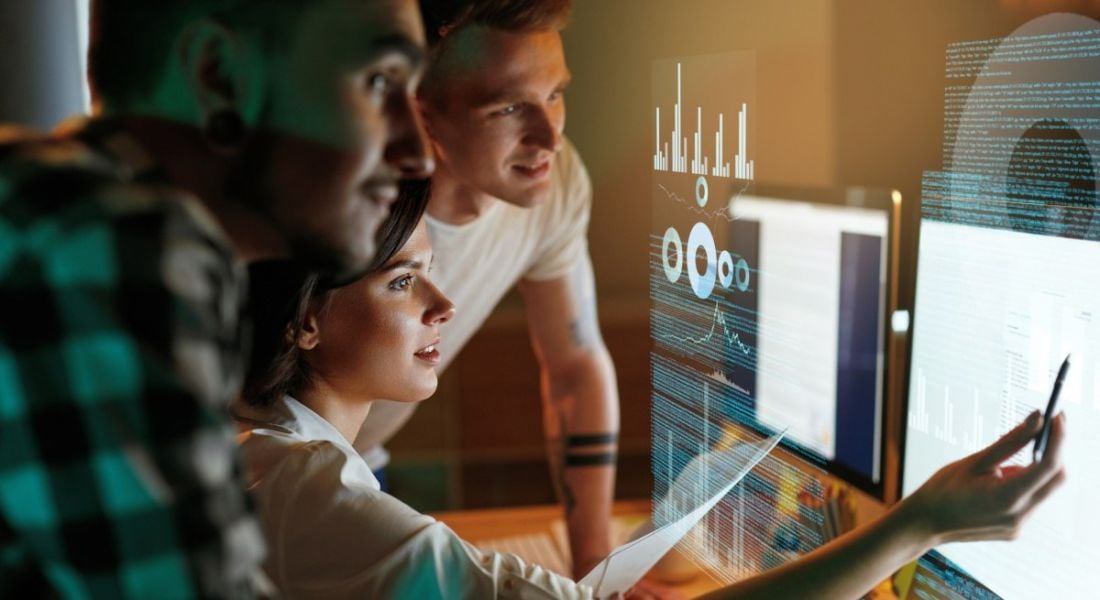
[
  {"x": 440, "y": 310},
  {"x": 544, "y": 128},
  {"x": 408, "y": 149}
]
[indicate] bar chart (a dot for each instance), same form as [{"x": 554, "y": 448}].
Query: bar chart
[
  {"x": 676, "y": 155},
  {"x": 963, "y": 428}
]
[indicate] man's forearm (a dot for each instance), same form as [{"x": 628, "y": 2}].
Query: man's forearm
[
  {"x": 588, "y": 521},
  {"x": 582, "y": 422}
]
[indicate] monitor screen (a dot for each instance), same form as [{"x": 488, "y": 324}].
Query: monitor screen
[
  {"x": 820, "y": 307},
  {"x": 1001, "y": 299}
]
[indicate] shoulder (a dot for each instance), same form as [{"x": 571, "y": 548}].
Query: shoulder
[
  {"x": 299, "y": 478},
  {"x": 273, "y": 451},
  {"x": 56, "y": 187},
  {"x": 62, "y": 180},
  {"x": 71, "y": 216},
  {"x": 325, "y": 522},
  {"x": 290, "y": 468}
]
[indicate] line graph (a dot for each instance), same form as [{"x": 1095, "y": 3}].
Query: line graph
[
  {"x": 722, "y": 213},
  {"x": 731, "y": 337}
]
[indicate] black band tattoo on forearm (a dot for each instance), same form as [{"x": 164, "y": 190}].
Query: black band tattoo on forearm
[
  {"x": 590, "y": 460},
  {"x": 591, "y": 439}
]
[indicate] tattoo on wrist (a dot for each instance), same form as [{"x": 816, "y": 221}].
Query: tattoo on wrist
[
  {"x": 592, "y": 439},
  {"x": 590, "y": 460}
]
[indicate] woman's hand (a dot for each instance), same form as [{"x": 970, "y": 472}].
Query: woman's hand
[
  {"x": 971, "y": 499},
  {"x": 975, "y": 498}
]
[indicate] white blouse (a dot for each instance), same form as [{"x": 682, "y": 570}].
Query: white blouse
[{"x": 332, "y": 533}]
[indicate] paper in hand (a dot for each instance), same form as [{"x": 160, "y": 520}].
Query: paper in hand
[{"x": 698, "y": 488}]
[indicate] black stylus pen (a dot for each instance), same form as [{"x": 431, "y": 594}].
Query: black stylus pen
[{"x": 1044, "y": 433}]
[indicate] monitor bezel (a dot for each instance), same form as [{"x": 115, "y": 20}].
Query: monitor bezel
[{"x": 888, "y": 201}]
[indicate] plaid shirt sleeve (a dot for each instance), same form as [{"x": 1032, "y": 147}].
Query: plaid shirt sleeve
[{"x": 119, "y": 353}]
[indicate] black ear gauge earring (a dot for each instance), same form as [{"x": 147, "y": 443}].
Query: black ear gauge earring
[{"x": 224, "y": 130}]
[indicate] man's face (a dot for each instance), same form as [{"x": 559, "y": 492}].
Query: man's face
[
  {"x": 497, "y": 111},
  {"x": 340, "y": 129}
]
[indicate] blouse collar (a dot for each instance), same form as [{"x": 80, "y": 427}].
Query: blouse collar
[{"x": 290, "y": 416}]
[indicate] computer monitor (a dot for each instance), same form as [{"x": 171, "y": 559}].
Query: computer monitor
[
  {"x": 822, "y": 296},
  {"x": 1004, "y": 292}
]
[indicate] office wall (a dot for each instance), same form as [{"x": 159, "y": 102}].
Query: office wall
[
  {"x": 610, "y": 47},
  {"x": 41, "y": 61}
]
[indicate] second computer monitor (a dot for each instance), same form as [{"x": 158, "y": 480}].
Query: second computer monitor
[
  {"x": 821, "y": 306},
  {"x": 1006, "y": 288}
]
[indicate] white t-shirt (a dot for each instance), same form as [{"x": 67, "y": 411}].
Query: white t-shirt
[
  {"x": 332, "y": 533},
  {"x": 476, "y": 263}
]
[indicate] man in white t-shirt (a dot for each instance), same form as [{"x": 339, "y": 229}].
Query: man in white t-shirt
[{"x": 509, "y": 207}]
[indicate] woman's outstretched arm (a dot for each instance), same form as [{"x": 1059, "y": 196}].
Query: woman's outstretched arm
[{"x": 974, "y": 498}]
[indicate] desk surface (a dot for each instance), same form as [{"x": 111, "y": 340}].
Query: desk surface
[{"x": 477, "y": 526}]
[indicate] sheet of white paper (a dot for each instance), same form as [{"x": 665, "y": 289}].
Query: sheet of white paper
[{"x": 702, "y": 483}]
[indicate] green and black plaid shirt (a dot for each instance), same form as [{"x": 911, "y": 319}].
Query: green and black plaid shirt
[{"x": 120, "y": 349}]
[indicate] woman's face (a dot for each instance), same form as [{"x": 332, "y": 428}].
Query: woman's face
[{"x": 378, "y": 337}]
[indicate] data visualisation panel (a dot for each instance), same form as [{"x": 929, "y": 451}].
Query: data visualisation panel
[{"x": 767, "y": 316}]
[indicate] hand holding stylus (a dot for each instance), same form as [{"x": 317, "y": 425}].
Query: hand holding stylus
[{"x": 977, "y": 498}]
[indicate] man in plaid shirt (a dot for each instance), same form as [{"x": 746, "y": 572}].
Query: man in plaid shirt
[{"x": 231, "y": 130}]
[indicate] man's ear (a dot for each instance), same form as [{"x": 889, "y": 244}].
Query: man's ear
[
  {"x": 310, "y": 335},
  {"x": 213, "y": 61}
]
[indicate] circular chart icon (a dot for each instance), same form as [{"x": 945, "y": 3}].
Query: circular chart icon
[
  {"x": 672, "y": 238},
  {"x": 702, "y": 283},
  {"x": 702, "y": 191}
]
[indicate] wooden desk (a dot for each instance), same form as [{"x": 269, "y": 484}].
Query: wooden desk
[
  {"x": 486, "y": 524},
  {"x": 480, "y": 525}
]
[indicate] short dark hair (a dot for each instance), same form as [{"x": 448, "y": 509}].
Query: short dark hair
[
  {"x": 131, "y": 41},
  {"x": 517, "y": 16},
  {"x": 282, "y": 292}
]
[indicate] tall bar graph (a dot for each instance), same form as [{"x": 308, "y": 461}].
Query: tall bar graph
[
  {"x": 951, "y": 422},
  {"x": 744, "y": 166},
  {"x": 918, "y": 410},
  {"x": 945, "y": 432},
  {"x": 672, "y": 155},
  {"x": 974, "y": 439}
]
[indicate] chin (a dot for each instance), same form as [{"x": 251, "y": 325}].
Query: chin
[
  {"x": 422, "y": 389},
  {"x": 424, "y": 394}
]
